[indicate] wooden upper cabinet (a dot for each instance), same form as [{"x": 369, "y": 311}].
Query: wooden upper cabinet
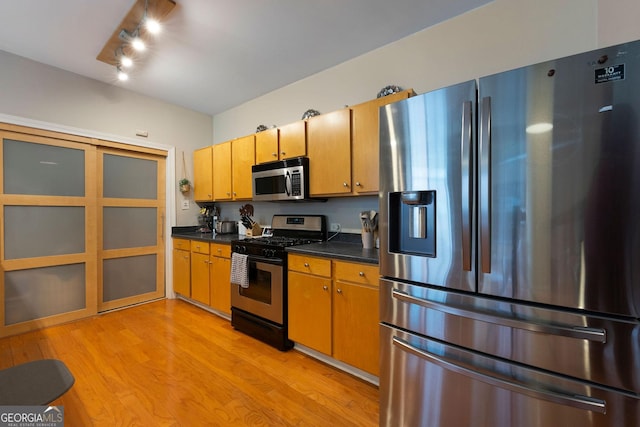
[
  {"x": 329, "y": 151},
  {"x": 365, "y": 145},
  {"x": 267, "y": 146},
  {"x": 243, "y": 156},
  {"x": 222, "y": 171},
  {"x": 292, "y": 140},
  {"x": 203, "y": 174}
]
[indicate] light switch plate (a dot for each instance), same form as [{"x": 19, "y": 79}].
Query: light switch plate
[{"x": 185, "y": 205}]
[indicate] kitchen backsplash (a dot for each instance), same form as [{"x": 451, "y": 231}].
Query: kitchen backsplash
[{"x": 341, "y": 210}]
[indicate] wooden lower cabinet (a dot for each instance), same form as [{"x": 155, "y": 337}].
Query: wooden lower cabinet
[
  {"x": 201, "y": 272},
  {"x": 310, "y": 311},
  {"x": 356, "y": 338},
  {"x": 219, "y": 279},
  {"x": 335, "y": 314},
  {"x": 181, "y": 267}
]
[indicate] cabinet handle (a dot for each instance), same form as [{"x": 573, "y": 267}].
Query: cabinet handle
[
  {"x": 219, "y": 250},
  {"x": 357, "y": 183},
  {"x": 235, "y": 194},
  {"x": 339, "y": 290},
  {"x": 228, "y": 194},
  {"x": 186, "y": 257},
  {"x": 361, "y": 274},
  {"x": 306, "y": 264},
  {"x": 325, "y": 287},
  {"x": 345, "y": 185},
  {"x": 274, "y": 154},
  {"x": 282, "y": 153}
]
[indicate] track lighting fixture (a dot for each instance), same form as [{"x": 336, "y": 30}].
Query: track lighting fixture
[
  {"x": 122, "y": 76},
  {"x": 130, "y": 38}
]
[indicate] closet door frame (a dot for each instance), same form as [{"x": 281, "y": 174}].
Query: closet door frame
[{"x": 50, "y": 134}]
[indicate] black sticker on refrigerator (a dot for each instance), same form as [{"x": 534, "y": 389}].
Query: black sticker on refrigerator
[{"x": 609, "y": 74}]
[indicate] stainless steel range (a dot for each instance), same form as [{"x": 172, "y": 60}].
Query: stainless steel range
[{"x": 260, "y": 309}]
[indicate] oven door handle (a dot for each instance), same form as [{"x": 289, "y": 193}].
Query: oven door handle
[{"x": 265, "y": 260}]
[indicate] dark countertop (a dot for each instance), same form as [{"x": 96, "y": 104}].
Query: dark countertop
[
  {"x": 346, "y": 247},
  {"x": 192, "y": 233},
  {"x": 347, "y": 251}
]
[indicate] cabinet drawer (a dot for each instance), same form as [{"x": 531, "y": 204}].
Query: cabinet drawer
[
  {"x": 221, "y": 250},
  {"x": 200, "y": 247},
  {"x": 184, "y": 244},
  {"x": 311, "y": 265},
  {"x": 357, "y": 273}
]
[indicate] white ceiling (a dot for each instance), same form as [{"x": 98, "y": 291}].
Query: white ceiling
[{"x": 216, "y": 54}]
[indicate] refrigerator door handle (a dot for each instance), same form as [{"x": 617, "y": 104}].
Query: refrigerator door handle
[
  {"x": 573, "y": 400},
  {"x": 485, "y": 185},
  {"x": 467, "y": 185},
  {"x": 578, "y": 332}
]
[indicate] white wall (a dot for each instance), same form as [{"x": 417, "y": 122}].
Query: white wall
[
  {"x": 38, "y": 92},
  {"x": 499, "y": 36}
]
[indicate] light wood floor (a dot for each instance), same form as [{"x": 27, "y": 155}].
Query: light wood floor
[{"x": 169, "y": 363}]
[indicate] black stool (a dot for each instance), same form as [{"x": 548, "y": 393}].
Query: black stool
[{"x": 34, "y": 383}]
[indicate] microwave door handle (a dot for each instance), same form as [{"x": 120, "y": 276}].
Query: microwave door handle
[{"x": 287, "y": 183}]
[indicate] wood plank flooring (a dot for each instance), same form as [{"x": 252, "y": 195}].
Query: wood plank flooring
[{"x": 168, "y": 363}]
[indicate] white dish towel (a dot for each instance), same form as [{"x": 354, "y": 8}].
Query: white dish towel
[{"x": 239, "y": 269}]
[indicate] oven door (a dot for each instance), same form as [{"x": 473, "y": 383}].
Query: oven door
[{"x": 264, "y": 295}]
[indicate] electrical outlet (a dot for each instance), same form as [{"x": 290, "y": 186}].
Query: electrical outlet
[
  {"x": 185, "y": 204},
  {"x": 334, "y": 226}
]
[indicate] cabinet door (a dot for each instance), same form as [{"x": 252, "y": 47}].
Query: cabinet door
[
  {"x": 203, "y": 174},
  {"x": 293, "y": 140},
  {"x": 220, "y": 284},
  {"x": 365, "y": 145},
  {"x": 200, "y": 277},
  {"x": 310, "y": 311},
  {"x": 222, "y": 171},
  {"x": 356, "y": 337},
  {"x": 243, "y": 156},
  {"x": 182, "y": 272},
  {"x": 267, "y": 146},
  {"x": 329, "y": 148}
]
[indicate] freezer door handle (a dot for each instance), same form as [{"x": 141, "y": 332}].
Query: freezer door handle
[
  {"x": 573, "y": 400},
  {"x": 467, "y": 185},
  {"x": 578, "y": 332},
  {"x": 485, "y": 185}
]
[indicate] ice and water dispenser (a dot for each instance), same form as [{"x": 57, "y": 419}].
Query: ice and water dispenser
[{"x": 412, "y": 222}]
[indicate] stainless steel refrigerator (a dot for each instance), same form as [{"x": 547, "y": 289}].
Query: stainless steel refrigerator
[{"x": 510, "y": 248}]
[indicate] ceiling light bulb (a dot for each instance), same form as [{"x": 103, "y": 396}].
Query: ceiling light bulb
[
  {"x": 138, "y": 44},
  {"x": 152, "y": 25},
  {"x": 122, "y": 76},
  {"x": 125, "y": 61}
]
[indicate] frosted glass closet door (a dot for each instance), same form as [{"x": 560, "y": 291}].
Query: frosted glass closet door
[
  {"x": 44, "y": 212},
  {"x": 132, "y": 213}
]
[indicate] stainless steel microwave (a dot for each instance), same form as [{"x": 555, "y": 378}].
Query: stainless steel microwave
[{"x": 281, "y": 180}]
